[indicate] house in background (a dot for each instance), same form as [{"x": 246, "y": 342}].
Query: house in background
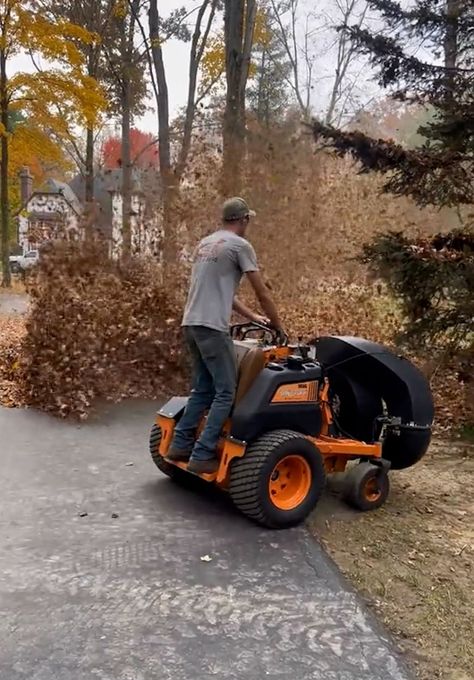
[
  {"x": 52, "y": 211},
  {"x": 55, "y": 211},
  {"x": 145, "y": 215}
]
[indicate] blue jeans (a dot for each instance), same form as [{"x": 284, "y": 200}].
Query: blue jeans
[{"x": 213, "y": 387}]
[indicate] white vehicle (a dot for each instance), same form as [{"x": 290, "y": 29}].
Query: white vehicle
[{"x": 20, "y": 263}]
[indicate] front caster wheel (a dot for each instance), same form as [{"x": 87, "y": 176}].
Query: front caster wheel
[{"x": 366, "y": 486}]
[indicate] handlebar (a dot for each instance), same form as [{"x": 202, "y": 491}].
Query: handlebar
[{"x": 241, "y": 330}]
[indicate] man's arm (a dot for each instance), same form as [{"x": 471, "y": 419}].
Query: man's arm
[
  {"x": 264, "y": 298},
  {"x": 247, "y": 313}
]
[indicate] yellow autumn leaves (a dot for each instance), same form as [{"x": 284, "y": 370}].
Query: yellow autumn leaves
[
  {"x": 42, "y": 104},
  {"x": 22, "y": 29},
  {"x": 213, "y": 60}
]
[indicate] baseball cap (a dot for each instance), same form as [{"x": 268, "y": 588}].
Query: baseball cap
[{"x": 235, "y": 209}]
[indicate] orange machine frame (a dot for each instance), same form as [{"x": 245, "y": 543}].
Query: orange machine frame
[{"x": 336, "y": 452}]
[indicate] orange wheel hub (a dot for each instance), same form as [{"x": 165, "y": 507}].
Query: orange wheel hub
[
  {"x": 372, "y": 490},
  {"x": 290, "y": 482}
]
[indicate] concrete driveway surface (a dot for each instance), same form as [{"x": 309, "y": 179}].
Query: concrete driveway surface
[
  {"x": 122, "y": 592},
  {"x": 13, "y": 303}
]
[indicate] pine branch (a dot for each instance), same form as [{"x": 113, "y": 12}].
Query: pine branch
[
  {"x": 431, "y": 177},
  {"x": 387, "y": 54},
  {"x": 424, "y": 16}
]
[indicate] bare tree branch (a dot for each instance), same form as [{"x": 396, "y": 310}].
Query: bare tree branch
[
  {"x": 147, "y": 53},
  {"x": 345, "y": 53},
  {"x": 290, "y": 49},
  {"x": 198, "y": 45}
]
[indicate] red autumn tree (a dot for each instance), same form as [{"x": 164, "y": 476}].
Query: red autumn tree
[{"x": 144, "y": 151}]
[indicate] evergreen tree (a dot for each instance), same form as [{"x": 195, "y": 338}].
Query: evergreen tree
[{"x": 424, "y": 54}]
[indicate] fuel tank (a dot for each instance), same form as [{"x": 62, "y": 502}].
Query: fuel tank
[{"x": 369, "y": 382}]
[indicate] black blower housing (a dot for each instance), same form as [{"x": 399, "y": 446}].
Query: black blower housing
[{"x": 370, "y": 382}]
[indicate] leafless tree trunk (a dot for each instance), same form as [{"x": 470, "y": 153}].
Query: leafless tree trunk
[
  {"x": 309, "y": 64},
  {"x": 126, "y": 170},
  {"x": 249, "y": 28},
  {"x": 262, "y": 100},
  {"x": 92, "y": 71},
  {"x": 92, "y": 67},
  {"x": 170, "y": 177},
  {"x": 239, "y": 26},
  {"x": 127, "y": 37},
  {"x": 287, "y": 36},
  {"x": 164, "y": 144},
  {"x": 198, "y": 45},
  {"x": 89, "y": 184},
  {"x": 5, "y": 202},
  {"x": 89, "y": 167},
  {"x": 233, "y": 126},
  {"x": 162, "y": 102},
  {"x": 159, "y": 82}
]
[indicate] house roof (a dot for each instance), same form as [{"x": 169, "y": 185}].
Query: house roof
[{"x": 53, "y": 186}]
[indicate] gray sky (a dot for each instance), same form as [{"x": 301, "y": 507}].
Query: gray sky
[{"x": 176, "y": 56}]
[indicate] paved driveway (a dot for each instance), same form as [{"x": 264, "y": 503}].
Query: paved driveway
[
  {"x": 13, "y": 303},
  {"x": 129, "y": 597}
]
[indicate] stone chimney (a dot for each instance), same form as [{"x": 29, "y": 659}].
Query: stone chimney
[{"x": 26, "y": 185}]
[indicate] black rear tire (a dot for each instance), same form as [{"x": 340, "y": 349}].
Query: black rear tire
[
  {"x": 251, "y": 476},
  {"x": 366, "y": 486}
]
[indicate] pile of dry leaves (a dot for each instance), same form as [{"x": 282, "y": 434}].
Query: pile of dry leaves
[
  {"x": 97, "y": 329},
  {"x": 12, "y": 331}
]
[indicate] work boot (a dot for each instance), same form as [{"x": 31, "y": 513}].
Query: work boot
[
  {"x": 178, "y": 455},
  {"x": 203, "y": 467}
]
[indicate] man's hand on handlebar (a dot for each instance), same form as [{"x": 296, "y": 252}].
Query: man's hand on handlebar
[
  {"x": 277, "y": 335},
  {"x": 262, "y": 320},
  {"x": 280, "y": 335}
]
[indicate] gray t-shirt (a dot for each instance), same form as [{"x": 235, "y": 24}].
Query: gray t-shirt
[{"x": 219, "y": 262}]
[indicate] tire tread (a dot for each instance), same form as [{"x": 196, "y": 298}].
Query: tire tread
[{"x": 245, "y": 475}]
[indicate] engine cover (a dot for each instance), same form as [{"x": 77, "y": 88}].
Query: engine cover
[{"x": 280, "y": 398}]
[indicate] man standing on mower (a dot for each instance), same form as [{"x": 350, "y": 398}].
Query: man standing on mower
[{"x": 220, "y": 261}]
